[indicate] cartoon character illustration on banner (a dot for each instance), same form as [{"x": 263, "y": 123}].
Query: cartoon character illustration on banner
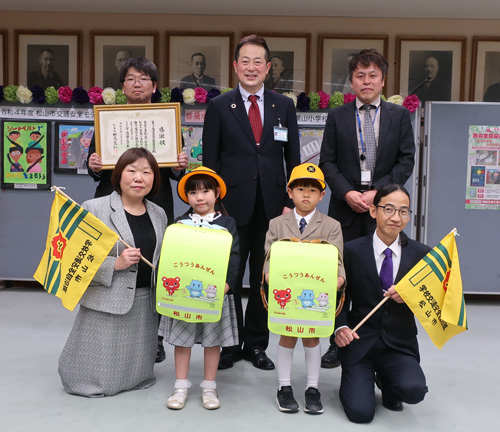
[
  {"x": 211, "y": 291},
  {"x": 171, "y": 285},
  {"x": 282, "y": 297},
  {"x": 307, "y": 298},
  {"x": 323, "y": 300},
  {"x": 195, "y": 288}
]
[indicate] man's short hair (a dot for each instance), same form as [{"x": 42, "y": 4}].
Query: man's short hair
[
  {"x": 140, "y": 64},
  {"x": 47, "y": 50},
  {"x": 367, "y": 57},
  {"x": 253, "y": 40},
  {"x": 198, "y": 54}
]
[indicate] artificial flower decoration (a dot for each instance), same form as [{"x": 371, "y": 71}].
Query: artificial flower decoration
[
  {"x": 314, "y": 99},
  {"x": 109, "y": 96},
  {"x": 349, "y": 97},
  {"x": 38, "y": 94},
  {"x": 200, "y": 94},
  {"x": 336, "y": 99},
  {"x": 213, "y": 93},
  {"x": 95, "y": 95},
  {"x": 302, "y": 102},
  {"x": 396, "y": 99},
  {"x": 80, "y": 95},
  {"x": 292, "y": 96},
  {"x": 24, "y": 95},
  {"x": 166, "y": 95},
  {"x": 412, "y": 102},
  {"x": 120, "y": 98},
  {"x": 176, "y": 95},
  {"x": 225, "y": 90},
  {"x": 65, "y": 94},
  {"x": 324, "y": 99},
  {"x": 51, "y": 95},
  {"x": 188, "y": 95},
  {"x": 10, "y": 93}
]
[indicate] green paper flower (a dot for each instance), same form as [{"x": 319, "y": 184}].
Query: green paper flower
[
  {"x": 51, "y": 95},
  {"x": 336, "y": 99},
  {"x": 382, "y": 97},
  {"x": 10, "y": 93},
  {"x": 225, "y": 90},
  {"x": 166, "y": 94},
  {"x": 120, "y": 97},
  {"x": 314, "y": 99}
]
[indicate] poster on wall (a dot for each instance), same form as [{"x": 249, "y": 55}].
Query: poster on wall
[
  {"x": 72, "y": 147},
  {"x": 483, "y": 168},
  {"x": 310, "y": 144},
  {"x": 26, "y": 155},
  {"x": 193, "y": 146}
]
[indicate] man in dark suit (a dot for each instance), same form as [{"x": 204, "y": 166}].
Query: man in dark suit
[
  {"x": 345, "y": 158},
  {"x": 250, "y": 160},
  {"x": 198, "y": 78},
  {"x": 385, "y": 348},
  {"x": 434, "y": 87}
]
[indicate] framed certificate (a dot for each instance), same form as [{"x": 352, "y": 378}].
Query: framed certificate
[{"x": 156, "y": 127}]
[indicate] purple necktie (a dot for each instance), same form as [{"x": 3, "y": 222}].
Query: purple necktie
[{"x": 386, "y": 273}]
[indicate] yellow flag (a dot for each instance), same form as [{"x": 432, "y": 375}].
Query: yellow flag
[
  {"x": 433, "y": 291},
  {"x": 77, "y": 243}
]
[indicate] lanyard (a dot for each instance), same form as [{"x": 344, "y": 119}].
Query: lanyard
[{"x": 360, "y": 131}]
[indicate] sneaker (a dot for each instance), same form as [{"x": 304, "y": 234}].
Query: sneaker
[
  {"x": 285, "y": 400},
  {"x": 178, "y": 399},
  {"x": 313, "y": 401},
  {"x": 210, "y": 399},
  {"x": 330, "y": 358}
]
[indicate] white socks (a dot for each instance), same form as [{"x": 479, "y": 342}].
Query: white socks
[
  {"x": 313, "y": 365},
  {"x": 284, "y": 360}
]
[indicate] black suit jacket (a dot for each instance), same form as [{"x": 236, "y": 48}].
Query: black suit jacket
[
  {"x": 189, "y": 81},
  {"x": 393, "y": 322},
  {"x": 229, "y": 148},
  {"x": 339, "y": 158}
]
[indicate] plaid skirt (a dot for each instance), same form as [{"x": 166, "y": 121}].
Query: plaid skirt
[
  {"x": 222, "y": 333},
  {"x": 108, "y": 354}
]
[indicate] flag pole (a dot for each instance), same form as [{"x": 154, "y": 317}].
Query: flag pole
[
  {"x": 370, "y": 314},
  {"x": 59, "y": 190}
]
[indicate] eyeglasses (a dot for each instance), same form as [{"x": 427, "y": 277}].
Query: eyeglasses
[
  {"x": 404, "y": 213},
  {"x": 141, "y": 80}
]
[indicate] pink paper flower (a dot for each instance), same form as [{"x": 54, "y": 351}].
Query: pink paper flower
[
  {"x": 324, "y": 99},
  {"x": 95, "y": 95},
  {"x": 200, "y": 94},
  {"x": 411, "y": 102},
  {"x": 65, "y": 94},
  {"x": 349, "y": 97}
]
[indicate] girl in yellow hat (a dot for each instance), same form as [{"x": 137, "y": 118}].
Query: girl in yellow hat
[{"x": 203, "y": 189}]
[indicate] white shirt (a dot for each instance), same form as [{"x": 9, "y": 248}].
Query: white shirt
[
  {"x": 260, "y": 100},
  {"x": 378, "y": 249},
  {"x": 299, "y": 217}
]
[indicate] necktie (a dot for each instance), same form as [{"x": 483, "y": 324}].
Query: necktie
[
  {"x": 255, "y": 119},
  {"x": 369, "y": 139},
  {"x": 386, "y": 271},
  {"x": 302, "y": 225}
]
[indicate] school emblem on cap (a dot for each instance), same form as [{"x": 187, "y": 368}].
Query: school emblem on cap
[{"x": 311, "y": 169}]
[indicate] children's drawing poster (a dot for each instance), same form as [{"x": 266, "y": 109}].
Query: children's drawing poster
[
  {"x": 72, "y": 146},
  {"x": 26, "y": 155},
  {"x": 302, "y": 289},
  {"x": 483, "y": 168},
  {"x": 193, "y": 145},
  {"x": 192, "y": 273}
]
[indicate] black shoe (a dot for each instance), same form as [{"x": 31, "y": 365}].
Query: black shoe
[
  {"x": 330, "y": 359},
  {"x": 226, "y": 360},
  {"x": 285, "y": 400},
  {"x": 313, "y": 401},
  {"x": 259, "y": 359},
  {"x": 392, "y": 405},
  {"x": 160, "y": 353}
]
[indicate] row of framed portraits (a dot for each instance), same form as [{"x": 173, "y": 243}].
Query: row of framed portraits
[{"x": 419, "y": 60}]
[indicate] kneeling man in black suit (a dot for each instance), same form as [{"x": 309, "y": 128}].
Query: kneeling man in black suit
[{"x": 385, "y": 349}]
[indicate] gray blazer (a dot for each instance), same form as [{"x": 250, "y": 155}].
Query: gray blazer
[
  {"x": 320, "y": 227},
  {"x": 113, "y": 291}
]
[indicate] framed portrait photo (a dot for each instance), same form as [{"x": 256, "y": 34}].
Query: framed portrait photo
[
  {"x": 334, "y": 53},
  {"x": 156, "y": 127},
  {"x": 485, "y": 72},
  {"x": 48, "y": 58},
  {"x": 198, "y": 60},
  {"x": 290, "y": 53},
  {"x": 4, "y": 71},
  {"x": 433, "y": 68},
  {"x": 108, "y": 50}
]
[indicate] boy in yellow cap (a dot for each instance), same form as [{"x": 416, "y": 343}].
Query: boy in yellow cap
[{"x": 306, "y": 188}]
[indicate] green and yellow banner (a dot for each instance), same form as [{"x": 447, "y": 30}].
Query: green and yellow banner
[
  {"x": 302, "y": 289},
  {"x": 433, "y": 291},
  {"x": 77, "y": 244},
  {"x": 192, "y": 273}
]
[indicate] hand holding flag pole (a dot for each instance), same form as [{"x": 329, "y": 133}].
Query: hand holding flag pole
[{"x": 58, "y": 189}]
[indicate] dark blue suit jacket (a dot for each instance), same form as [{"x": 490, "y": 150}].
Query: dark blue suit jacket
[
  {"x": 393, "y": 322},
  {"x": 229, "y": 148},
  {"x": 340, "y": 161}
]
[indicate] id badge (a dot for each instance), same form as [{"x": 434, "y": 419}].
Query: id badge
[
  {"x": 366, "y": 176},
  {"x": 280, "y": 133}
]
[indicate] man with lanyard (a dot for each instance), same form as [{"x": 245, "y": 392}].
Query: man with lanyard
[{"x": 367, "y": 144}]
